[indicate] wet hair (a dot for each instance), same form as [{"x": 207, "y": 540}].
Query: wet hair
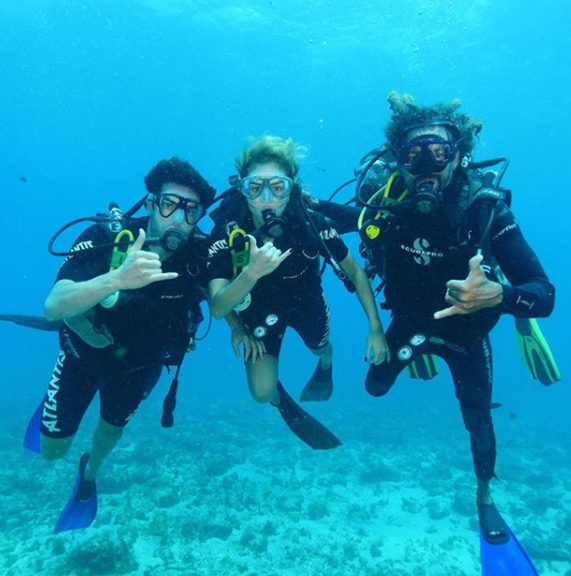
[
  {"x": 265, "y": 149},
  {"x": 407, "y": 114},
  {"x": 179, "y": 172}
]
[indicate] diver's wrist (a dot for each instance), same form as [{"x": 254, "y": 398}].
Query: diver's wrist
[
  {"x": 498, "y": 298},
  {"x": 233, "y": 321},
  {"x": 250, "y": 276},
  {"x": 112, "y": 282},
  {"x": 375, "y": 326}
]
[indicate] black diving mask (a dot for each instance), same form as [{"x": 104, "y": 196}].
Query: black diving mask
[
  {"x": 427, "y": 154},
  {"x": 168, "y": 203}
]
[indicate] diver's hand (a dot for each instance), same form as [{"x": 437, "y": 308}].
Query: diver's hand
[
  {"x": 253, "y": 348},
  {"x": 82, "y": 325},
  {"x": 377, "y": 348},
  {"x": 264, "y": 260},
  {"x": 473, "y": 294},
  {"x": 140, "y": 268}
]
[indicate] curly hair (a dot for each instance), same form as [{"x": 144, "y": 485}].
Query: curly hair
[
  {"x": 408, "y": 114},
  {"x": 282, "y": 151},
  {"x": 179, "y": 172}
]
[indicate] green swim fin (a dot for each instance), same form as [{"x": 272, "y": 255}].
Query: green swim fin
[
  {"x": 424, "y": 367},
  {"x": 535, "y": 351},
  {"x": 533, "y": 346}
]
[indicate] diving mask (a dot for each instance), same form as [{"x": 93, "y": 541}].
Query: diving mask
[
  {"x": 268, "y": 189},
  {"x": 427, "y": 154},
  {"x": 168, "y": 203}
]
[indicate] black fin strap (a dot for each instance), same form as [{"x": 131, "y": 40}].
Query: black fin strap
[{"x": 135, "y": 208}]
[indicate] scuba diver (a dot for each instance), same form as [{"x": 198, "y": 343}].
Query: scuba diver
[
  {"x": 126, "y": 301},
  {"x": 263, "y": 263},
  {"x": 452, "y": 259}
]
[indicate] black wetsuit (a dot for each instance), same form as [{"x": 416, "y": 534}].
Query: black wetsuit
[
  {"x": 416, "y": 256},
  {"x": 149, "y": 328},
  {"x": 292, "y": 294}
]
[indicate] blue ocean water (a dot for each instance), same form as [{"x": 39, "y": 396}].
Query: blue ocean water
[{"x": 93, "y": 94}]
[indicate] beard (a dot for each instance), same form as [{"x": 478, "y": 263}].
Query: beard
[{"x": 439, "y": 180}]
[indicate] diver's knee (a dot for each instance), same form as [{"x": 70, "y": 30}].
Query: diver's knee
[
  {"x": 375, "y": 384},
  {"x": 262, "y": 395},
  {"x": 109, "y": 431},
  {"x": 375, "y": 390},
  {"x": 52, "y": 449},
  {"x": 52, "y": 456},
  {"x": 263, "y": 390},
  {"x": 324, "y": 352},
  {"x": 480, "y": 427},
  {"x": 476, "y": 419}
]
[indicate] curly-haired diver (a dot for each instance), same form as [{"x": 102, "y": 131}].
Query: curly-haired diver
[
  {"x": 121, "y": 321},
  {"x": 439, "y": 233}
]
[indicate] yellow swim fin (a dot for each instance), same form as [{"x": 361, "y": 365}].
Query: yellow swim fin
[
  {"x": 424, "y": 367},
  {"x": 535, "y": 351}
]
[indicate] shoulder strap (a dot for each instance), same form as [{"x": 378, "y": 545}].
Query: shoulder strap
[
  {"x": 121, "y": 245},
  {"x": 482, "y": 205},
  {"x": 239, "y": 250},
  {"x": 386, "y": 196}
]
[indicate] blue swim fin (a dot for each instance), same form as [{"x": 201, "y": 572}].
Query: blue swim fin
[
  {"x": 506, "y": 557},
  {"x": 32, "y": 437},
  {"x": 81, "y": 508},
  {"x": 509, "y": 559},
  {"x": 37, "y": 322}
]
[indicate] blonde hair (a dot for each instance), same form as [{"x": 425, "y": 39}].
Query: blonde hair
[{"x": 264, "y": 149}]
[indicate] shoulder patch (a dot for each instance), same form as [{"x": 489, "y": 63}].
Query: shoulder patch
[
  {"x": 85, "y": 245},
  {"x": 217, "y": 247},
  {"x": 328, "y": 234},
  {"x": 505, "y": 230}
]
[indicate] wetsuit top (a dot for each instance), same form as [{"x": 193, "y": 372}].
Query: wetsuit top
[
  {"x": 297, "y": 276},
  {"x": 419, "y": 253},
  {"x": 148, "y": 324}
]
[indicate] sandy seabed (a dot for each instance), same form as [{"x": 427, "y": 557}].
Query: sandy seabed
[{"x": 230, "y": 491}]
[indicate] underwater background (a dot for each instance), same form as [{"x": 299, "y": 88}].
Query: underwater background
[{"x": 92, "y": 95}]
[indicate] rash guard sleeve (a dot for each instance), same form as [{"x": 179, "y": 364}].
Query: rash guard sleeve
[
  {"x": 345, "y": 218},
  {"x": 529, "y": 293}
]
